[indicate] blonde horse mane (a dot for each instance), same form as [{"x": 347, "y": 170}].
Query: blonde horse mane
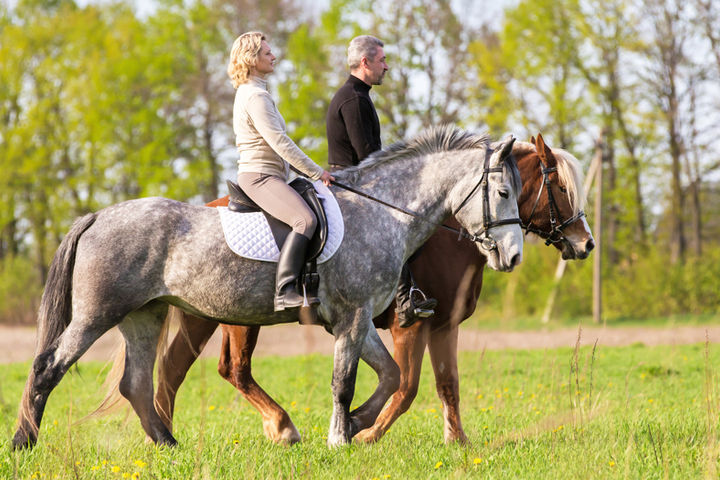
[{"x": 569, "y": 172}]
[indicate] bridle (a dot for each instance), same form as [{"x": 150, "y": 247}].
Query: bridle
[
  {"x": 556, "y": 231},
  {"x": 482, "y": 237}
]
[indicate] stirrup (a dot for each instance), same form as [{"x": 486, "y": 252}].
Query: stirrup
[{"x": 423, "y": 308}]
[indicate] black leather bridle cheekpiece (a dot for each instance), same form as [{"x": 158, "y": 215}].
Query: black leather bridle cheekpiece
[
  {"x": 487, "y": 242},
  {"x": 555, "y": 234}
]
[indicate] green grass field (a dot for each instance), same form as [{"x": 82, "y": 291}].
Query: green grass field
[{"x": 631, "y": 412}]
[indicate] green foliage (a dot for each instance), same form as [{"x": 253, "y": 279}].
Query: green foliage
[
  {"x": 305, "y": 96},
  {"x": 646, "y": 288},
  {"x": 19, "y": 290},
  {"x": 631, "y": 412}
]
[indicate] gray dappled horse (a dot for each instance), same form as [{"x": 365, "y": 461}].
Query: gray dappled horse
[{"x": 124, "y": 264}]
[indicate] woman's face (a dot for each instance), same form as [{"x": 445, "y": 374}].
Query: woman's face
[{"x": 265, "y": 62}]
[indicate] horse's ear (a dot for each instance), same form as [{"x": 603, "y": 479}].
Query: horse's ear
[
  {"x": 544, "y": 152},
  {"x": 507, "y": 148},
  {"x": 532, "y": 140}
]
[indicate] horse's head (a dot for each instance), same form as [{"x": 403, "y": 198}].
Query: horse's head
[
  {"x": 488, "y": 207},
  {"x": 552, "y": 199}
]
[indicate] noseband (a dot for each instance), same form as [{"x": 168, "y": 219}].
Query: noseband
[
  {"x": 556, "y": 231},
  {"x": 483, "y": 237}
]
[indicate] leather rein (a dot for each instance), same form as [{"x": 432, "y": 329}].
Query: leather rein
[
  {"x": 483, "y": 236},
  {"x": 556, "y": 231}
]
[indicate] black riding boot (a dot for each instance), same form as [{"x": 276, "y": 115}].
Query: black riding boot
[
  {"x": 411, "y": 304},
  {"x": 290, "y": 263}
]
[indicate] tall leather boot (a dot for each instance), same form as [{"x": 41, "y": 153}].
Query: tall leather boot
[
  {"x": 409, "y": 309},
  {"x": 290, "y": 263}
]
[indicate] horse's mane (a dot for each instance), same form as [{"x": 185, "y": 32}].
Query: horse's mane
[
  {"x": 435, "y": 139},
  {"x": 569, "y": 172}
]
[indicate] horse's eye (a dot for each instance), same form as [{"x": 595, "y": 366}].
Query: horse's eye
[
  {"x": 563, "y": 189},
  {"x": 504, "y": 193}
]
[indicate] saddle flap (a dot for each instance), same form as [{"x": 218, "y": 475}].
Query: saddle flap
[{"x": 240, "y": 202}]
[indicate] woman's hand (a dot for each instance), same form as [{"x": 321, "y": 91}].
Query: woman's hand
[{"x": 326, "y": 178}]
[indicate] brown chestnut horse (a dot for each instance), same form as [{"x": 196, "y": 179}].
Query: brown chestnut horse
[{"x": 449, "y": 270}]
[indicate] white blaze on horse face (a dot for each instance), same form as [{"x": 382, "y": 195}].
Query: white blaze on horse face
[
  {"x": 503, "y": 205},
  {"x": 579, "y": 240}
]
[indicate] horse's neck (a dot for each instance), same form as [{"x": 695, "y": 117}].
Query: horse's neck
[{"x": 412, "y": 184}]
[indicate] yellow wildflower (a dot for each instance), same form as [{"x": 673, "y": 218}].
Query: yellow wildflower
[
  {"x": 438, "y": 465},
  {"x": 140, "y": 463},
  {"x": 115, "y": 469},
  {"x": 477, "y": 460}
]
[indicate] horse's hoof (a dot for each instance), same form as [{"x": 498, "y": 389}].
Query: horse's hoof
[
  {"x": 22, "y": 441},
  {"x": 166, "y": 441},
  {"x": 458, "y": 438},
  {"x": 286, "y": 436},
  {"x": 369, "y": 435},
  {"x": 337, "y": 440}
]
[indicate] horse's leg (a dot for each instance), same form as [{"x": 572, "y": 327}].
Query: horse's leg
[
  {"x": 350, "y": 336},
  {"x": 376, "y": 355},
  {"x": 183, "y": 351},
  {"x": 235, "y": 366},
  {"x": 141, "y": 330},
  {"x": 48, "y": 369},
  {"x": 443, "y": 354},
  {"x": 409, "y": 347}
]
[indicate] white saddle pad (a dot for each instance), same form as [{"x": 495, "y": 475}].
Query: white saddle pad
[{"x": 249, "y": 235}]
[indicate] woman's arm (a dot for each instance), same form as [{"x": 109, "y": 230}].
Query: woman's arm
[{"x": 270, "y": 125}]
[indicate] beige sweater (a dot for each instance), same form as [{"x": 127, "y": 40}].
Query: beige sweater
[{"x": 260, "y": 135}]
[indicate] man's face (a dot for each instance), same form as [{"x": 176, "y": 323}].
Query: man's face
[{"x": 377, "y": 67}]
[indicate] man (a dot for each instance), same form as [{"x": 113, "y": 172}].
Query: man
[{"x": 353, "y": 133}]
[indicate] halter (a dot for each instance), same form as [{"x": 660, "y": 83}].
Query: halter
[
  {"x": 483, "y": 236},
  {"x": 556, "y": 231}
]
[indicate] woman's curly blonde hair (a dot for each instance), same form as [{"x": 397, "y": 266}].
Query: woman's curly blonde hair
[{"x": 243, "y": 56}]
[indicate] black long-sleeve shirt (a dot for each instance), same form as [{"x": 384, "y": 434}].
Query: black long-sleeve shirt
[{"x": 352, "y": 125}]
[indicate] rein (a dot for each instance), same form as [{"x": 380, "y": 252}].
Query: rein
[
  {"x": 483, "y": 236},
  {"x": 556, "y": 231}
]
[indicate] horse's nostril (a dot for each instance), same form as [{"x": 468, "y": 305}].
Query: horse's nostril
[
  {"x": 589, "y": 245},
  {"x": 515, "y": 260}
]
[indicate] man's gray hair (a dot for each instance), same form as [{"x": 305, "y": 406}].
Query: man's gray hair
[{"x": 362, "y": 46}]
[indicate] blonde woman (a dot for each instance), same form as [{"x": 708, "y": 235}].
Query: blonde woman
[{"x": 266, "y": 153}]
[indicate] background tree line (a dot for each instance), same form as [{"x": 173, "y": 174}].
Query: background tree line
[{"x": 99, "y": 104}]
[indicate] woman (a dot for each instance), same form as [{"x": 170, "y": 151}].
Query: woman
[{"x": 266, "y": 153}]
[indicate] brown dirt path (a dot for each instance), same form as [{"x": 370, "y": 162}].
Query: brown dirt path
[{"x": 17, "y": 344}]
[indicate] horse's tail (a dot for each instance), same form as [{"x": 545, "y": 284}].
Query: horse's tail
[
  {"x": 56, "y": 303},
  {"x": 55, "y": 312}
]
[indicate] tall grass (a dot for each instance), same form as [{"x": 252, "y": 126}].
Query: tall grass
[{"x": 591, "y": 412}]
